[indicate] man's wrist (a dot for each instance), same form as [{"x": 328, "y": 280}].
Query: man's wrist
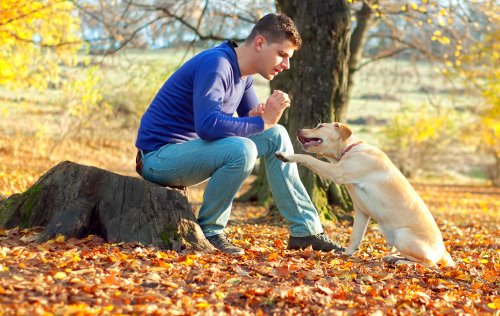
[{"x": 268, "y": 126}]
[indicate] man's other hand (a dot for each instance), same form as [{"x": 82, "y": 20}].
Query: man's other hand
[
  {"x": 274, "y": 107},
  {"x": 258, "y": 110}
]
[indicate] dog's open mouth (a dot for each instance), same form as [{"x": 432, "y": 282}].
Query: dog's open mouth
[{"x": 309, "y": 141}]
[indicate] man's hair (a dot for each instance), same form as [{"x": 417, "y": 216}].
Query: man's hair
[{"x": 276, "y": 28}]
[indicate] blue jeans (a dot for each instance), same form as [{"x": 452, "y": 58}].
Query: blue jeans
[{"x": 228, "y": 162}]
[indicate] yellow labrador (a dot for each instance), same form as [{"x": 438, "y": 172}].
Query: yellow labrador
[{"x": 378, "y": 190}]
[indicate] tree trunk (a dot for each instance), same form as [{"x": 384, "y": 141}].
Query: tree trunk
[
  {"x": 75, "y": 201},
  {"x": 317, "y": 79},
  {"x": 317, "y": 82},
  {"x": 358, "y": 39}
]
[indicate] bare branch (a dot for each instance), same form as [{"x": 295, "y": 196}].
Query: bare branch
[
  {"x": 87, "y": 12},
  {"x": 132, "y": 35},
  {"x": 126, "y": 9},
  {"x": 202, "y": 14},
  {"x": 358, "y": 36},
  {"x": 41, "y": 44},
  {"x": 385, "y": 55},
  {"x": 240, "y": 17}
]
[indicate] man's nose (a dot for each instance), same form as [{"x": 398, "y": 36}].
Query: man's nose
[{"x": 285, "y": 63}]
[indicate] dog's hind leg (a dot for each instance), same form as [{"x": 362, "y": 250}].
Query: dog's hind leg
[
  {"x": 415, "y": 250},
  {"x": 395, "y": 259}
]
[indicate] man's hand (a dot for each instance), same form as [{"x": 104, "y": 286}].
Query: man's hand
[
  {"x": 258, "y": 110},
  {"x": 274, "y": 107}
]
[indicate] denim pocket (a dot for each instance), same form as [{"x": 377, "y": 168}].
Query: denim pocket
[{"x": 163, "y": 176}]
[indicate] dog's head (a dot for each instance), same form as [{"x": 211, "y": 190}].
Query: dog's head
[{"x": 325, "y": 139}]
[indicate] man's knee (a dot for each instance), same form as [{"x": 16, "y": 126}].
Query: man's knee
[
  {"x": 278, "y": 135},
  {"x": 278, "y": 131},
  {"x": 243, "y": 151}
]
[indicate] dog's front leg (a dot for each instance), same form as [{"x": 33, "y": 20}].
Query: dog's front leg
[
  {"x": 358, "y": 231},
  {"x": 321, "y": 168},
  {"x": 298, "y": 158}
]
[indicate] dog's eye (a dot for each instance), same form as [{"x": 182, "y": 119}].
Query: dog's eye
[{"x": 320, "y": 126}]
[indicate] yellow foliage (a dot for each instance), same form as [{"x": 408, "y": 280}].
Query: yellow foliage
[
  {"x": 418, "y": 128},
  {"x": 413, "y": 137},
  {"x": 479, "y": 67},
  {"x": 82, "y": 95},
  {"x": 81, "y": 100},
  {"x": 36, "y": 38}
]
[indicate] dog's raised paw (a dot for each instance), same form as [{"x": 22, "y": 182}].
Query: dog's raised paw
[{"x": 281, "y": 156}]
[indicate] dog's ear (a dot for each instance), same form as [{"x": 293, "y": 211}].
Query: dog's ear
[{"x": 344, "y": 130}]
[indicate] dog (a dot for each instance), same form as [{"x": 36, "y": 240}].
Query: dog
[{"x": 378, "y": 190}]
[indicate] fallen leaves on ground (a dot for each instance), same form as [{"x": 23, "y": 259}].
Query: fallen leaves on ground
[{"x": 89, "y": 276}]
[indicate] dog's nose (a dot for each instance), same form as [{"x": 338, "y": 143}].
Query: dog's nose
[{"x": 299, "y": 131}]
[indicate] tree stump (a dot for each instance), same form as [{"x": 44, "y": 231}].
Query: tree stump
[{"x": 75, "y": 201}]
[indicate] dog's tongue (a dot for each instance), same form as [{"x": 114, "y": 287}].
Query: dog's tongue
[
  {"x": 313, "y": 141},
  {"x": 309, "y": 141}
]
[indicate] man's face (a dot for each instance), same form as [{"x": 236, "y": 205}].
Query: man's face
[{"x": 273, "y": 57}]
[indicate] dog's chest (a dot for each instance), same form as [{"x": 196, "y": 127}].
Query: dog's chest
[{"x": 368, "y": 199}]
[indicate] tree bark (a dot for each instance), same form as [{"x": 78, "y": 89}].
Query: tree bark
[
  {"x": 317, "y": 82},
  {"x": 358, "y": 40},
  {"x": 75, "y": 200},
  {"x": 317, "y": 79}
]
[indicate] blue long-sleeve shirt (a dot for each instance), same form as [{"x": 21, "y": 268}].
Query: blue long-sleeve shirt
[{"x": 199, "y": 101}]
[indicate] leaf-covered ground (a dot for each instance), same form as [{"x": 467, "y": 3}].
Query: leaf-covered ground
[{"x": 89, "y": 276}]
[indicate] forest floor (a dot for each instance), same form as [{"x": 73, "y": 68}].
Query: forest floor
[{"x": 89, "y": 276}]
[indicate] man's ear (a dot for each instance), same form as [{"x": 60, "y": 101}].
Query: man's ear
[
  {"x": 344, "y": 130},
  {"x": 258, "y": 42}
]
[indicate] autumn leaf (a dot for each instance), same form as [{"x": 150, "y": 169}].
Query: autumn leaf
[
  {"x": 282, "y": 271},
  {"x": 202, "y": 304},
  {"x": 60, "y": 275},
  {"x": 272, "y": 256},
  {"x": 278, "y": 243},
  {"x": 241, "y": 272},
  {"x": 495, "y": 304},
  {"x": 233, "y": 281}
]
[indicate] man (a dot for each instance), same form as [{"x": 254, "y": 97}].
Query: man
[{"x": 189, "y": 133}]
